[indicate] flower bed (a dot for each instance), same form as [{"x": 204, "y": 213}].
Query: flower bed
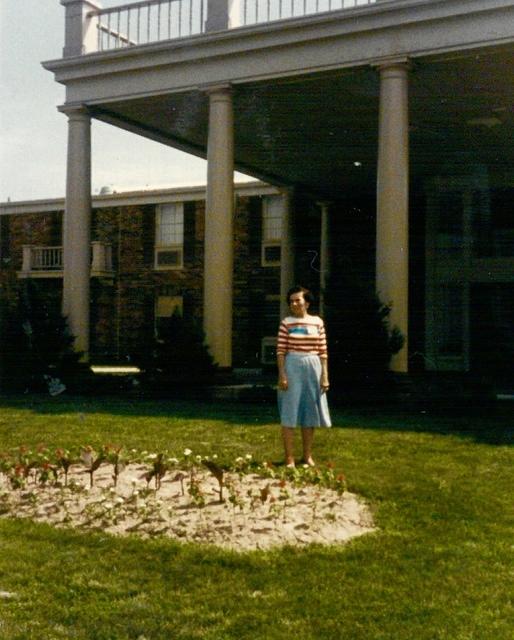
[{"x": 243, "y": 505}]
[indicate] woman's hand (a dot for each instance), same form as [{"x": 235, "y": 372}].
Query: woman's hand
[{"x": 282, "y": 383}]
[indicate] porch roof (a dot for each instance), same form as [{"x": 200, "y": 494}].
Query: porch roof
[{"x": 306, "y": 90}]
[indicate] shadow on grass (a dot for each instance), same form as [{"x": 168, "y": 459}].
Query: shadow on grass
[
  {"x": 494, "y": 426},
  {"x": 232, "y": 412}
]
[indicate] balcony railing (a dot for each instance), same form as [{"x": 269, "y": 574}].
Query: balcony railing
[
  {"x": 259, "y": 11},
  {"x": 149, "y": 21},
  {"x": 43, "y": 258},
  {"x": 47, "y": 262}
]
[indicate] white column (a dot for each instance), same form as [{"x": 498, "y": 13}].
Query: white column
[
  {"x": 27, "y": 258},
  {"x": 392, "y": 258},
  {"x": 219, "y": 236},
  {"x": 287, "y": 262},
  {"x": 324, "y": 255},
  {"x": 80, "y": 32},
  {"x": 76, "y": 228}
]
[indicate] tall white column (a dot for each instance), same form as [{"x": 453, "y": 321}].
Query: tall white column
[
  {"x": 324, "y": 255},
  {"x": 392, "y": 258},
  {"x": 219, "y": 235},
  {"x": 287, "y": 252},
  {"x": 77, "y": 228}
]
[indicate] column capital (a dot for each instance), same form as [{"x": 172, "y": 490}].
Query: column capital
[
  {"x": 220, "y": 90},
  {"x": 74, "y": 111},
  {"x": 398, "y": 62}
]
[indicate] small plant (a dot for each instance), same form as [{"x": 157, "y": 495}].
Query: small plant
[
  {"x": 196, "y": 493},
  {"x": 234, "y": 496},
  {"x": 180, "y": 477},
  {"x": 157, "y": 471},
  {"x": 92, "y": 460},
  {"x": 217, "y": 472},
  {"x": 113, "y": 455},
  {"x": 64, "y": 461},
  {"x": 46, "y": 472}
]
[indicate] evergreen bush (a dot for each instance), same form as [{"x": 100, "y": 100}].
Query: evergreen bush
[
  {"x": 179, "y": 355},
  {"x": 35, "y": 343},
  {"x": 361, "y": 340}
]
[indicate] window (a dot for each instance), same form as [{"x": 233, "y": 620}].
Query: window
[
  {"x": 169, "y": 236},
  {"x": 493, "y": 223},
  {"x": 449, "y": 240},
  {"x": 450, "y": 320},
  {"x": 272, "y": 217}
]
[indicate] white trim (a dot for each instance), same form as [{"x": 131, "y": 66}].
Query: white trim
[
  {"x": 333, "y": 40},
  {"x": 173, "y": 247},
  {"x": 127, "y": 198},
  {"x": 271, "y": 241}
]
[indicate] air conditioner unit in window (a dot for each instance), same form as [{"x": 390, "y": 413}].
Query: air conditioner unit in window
[
  {"x": 271, "y": 255},
  {"x": 269, "y": 350},
  {"x": 168, "y": 258}
]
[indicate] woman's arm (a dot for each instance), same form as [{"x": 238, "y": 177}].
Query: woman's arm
[
  {"x": 282, "y": 377},
  {"x": 323, "y": 383}
]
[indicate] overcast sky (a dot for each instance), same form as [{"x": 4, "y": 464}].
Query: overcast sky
[{"x": 33, "y": 133}]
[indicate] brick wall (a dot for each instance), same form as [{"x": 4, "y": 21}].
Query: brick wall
[{"x": 123, "y": 306}]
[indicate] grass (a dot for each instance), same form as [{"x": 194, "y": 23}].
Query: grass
[{"x": 439, "y": 567}]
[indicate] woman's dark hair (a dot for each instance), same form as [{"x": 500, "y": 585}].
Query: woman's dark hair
[{"x": 307, "y": 294}]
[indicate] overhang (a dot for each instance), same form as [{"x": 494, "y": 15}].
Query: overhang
[{"x": 306, "y": 90}]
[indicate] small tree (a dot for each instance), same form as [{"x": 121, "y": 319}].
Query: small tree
[
  {"x": 35, "y": 343},
  {"x": 361, "y": 338},
  {"x": 179, "y": 354}
]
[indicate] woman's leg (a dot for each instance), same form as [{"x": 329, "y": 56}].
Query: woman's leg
[
  {"x": 307, "y": 438},
  {"x": 288, "y": 438}
]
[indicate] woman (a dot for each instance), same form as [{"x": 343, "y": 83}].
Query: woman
[{"x": 302, "y": 374}]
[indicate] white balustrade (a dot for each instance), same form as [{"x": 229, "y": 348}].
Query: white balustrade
[
  {"x": 43, "y": 260},
  {"x": 149, "y": 21},
  {"x": 259, "y": 11},
  {"x": 46, "y": 259},
  {"x": 140, "y": 23}
]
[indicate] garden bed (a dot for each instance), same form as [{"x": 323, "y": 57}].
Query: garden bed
[{"x": 242, "y": 506}]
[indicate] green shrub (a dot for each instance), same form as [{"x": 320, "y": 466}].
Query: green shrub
[
  {"x": 179, "y": 355},
  {"x": 35, "y": 344},
  {"x": 361, "y": 340}
]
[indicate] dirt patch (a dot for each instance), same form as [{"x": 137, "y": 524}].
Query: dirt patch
[{"x": 255, "y": 512}]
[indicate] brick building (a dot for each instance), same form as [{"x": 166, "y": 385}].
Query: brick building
[
  {"x": 147, "y": 260},
  {"x": 386, "y": 126}
]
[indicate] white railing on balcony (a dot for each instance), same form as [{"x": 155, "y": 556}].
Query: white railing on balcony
[
  {"x": 259, "y": 11},
  {"x": 148, "y": 21},
  {"x": 49, "y": 260},
  {"x": 42, "y": 258}
]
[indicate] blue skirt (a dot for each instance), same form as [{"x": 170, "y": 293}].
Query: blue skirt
[{"x": 303, "y": 404}]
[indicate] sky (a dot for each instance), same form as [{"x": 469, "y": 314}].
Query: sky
[{"x": 33, "y": 134}]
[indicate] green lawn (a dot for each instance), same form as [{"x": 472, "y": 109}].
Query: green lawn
[{"x": 440, "y": 566}]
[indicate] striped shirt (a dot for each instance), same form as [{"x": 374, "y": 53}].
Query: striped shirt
[{"x": 302, "y": 335}]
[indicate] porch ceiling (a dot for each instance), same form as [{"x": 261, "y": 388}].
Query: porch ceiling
[{"x": 310, "y": 130}]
